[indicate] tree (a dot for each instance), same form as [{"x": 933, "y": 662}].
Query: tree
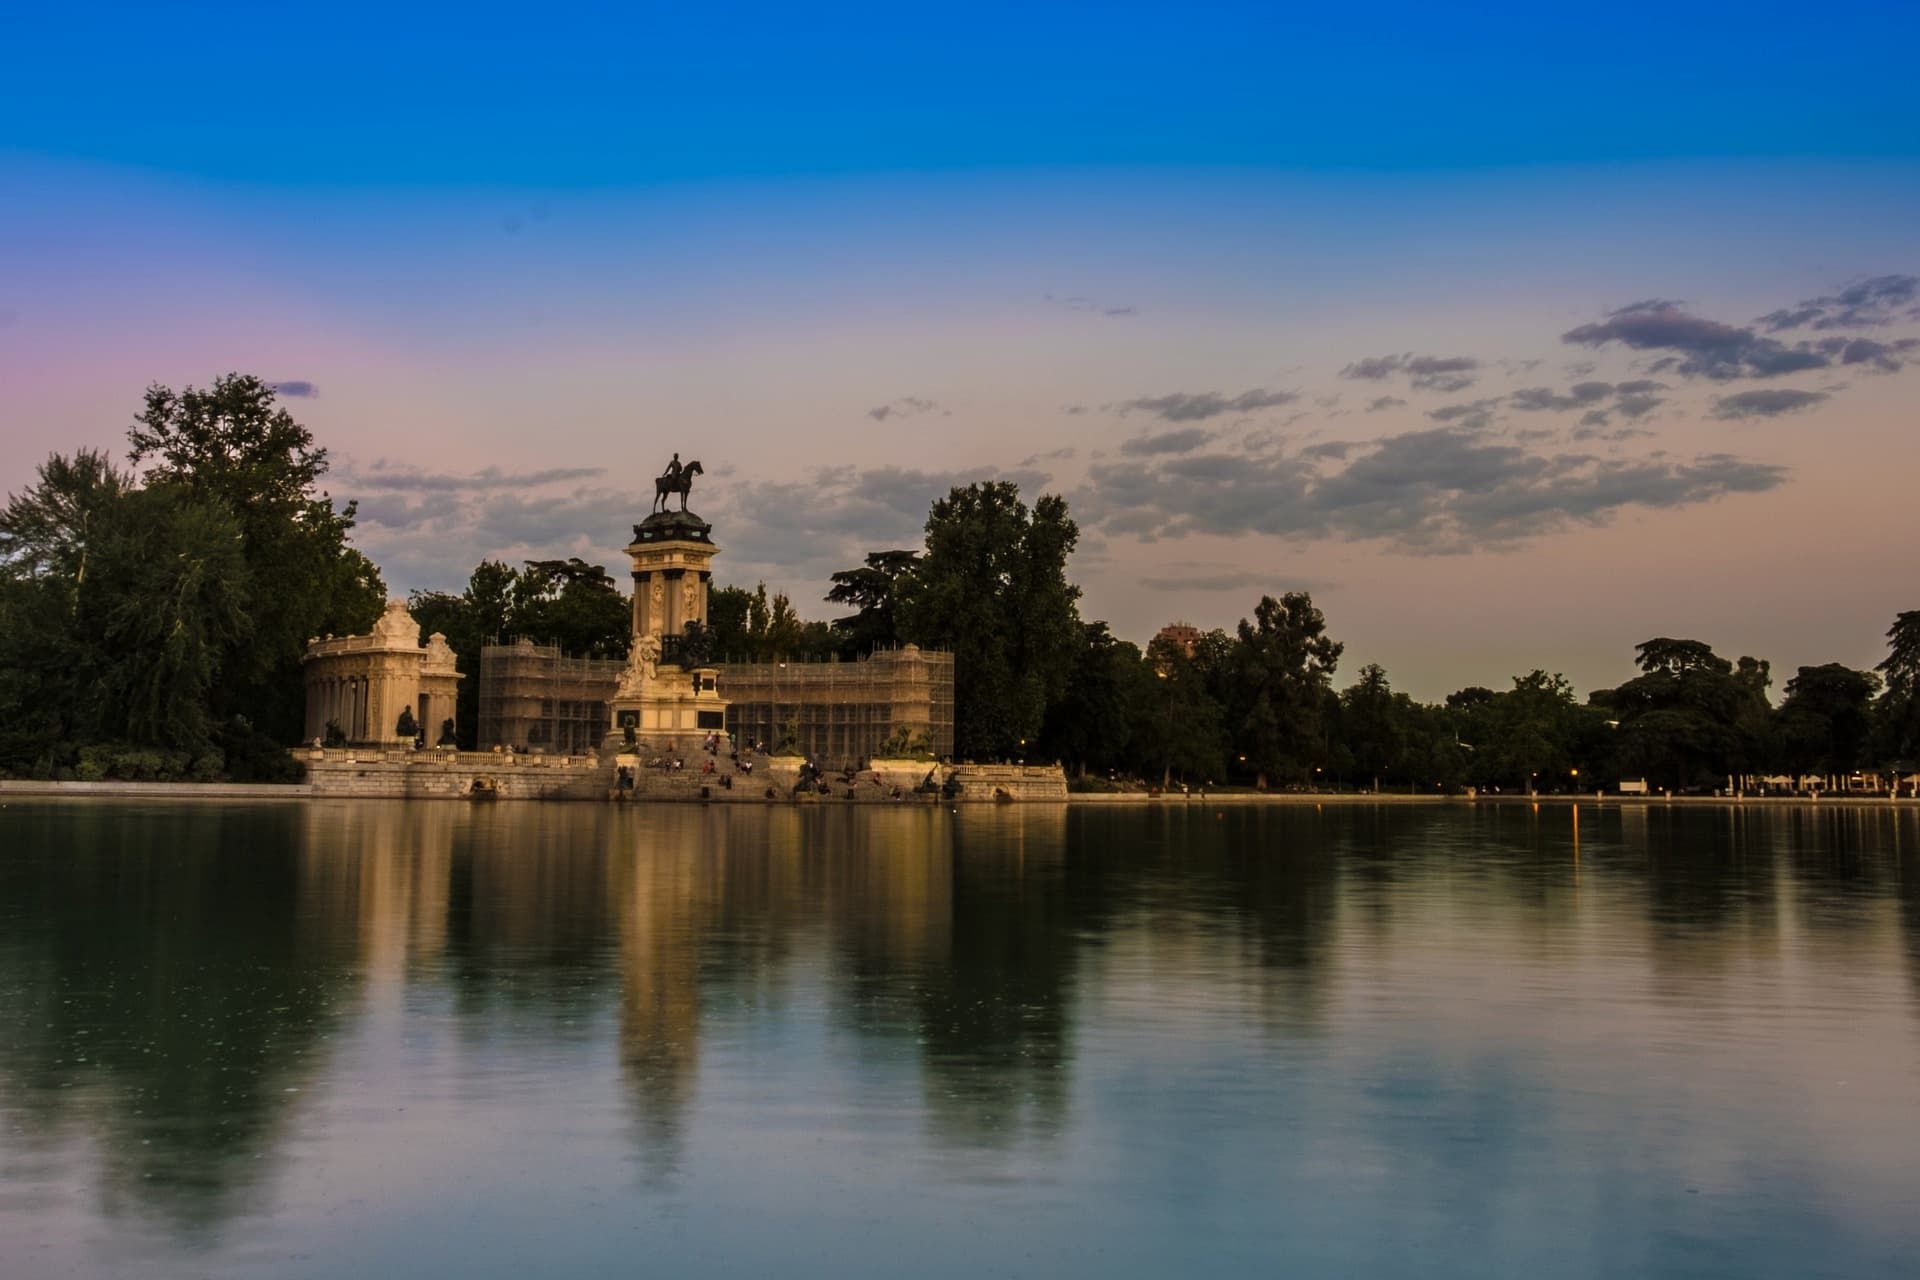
[
  {"x": 571, "y": 604},
  {"x": 873, "y": 590},
  {"x": 727, "y": 621},
  {"x": 1826, "y": 719},
  {"x": 170, "y": 598},
  {"x": 1692, "y": 718},
  {"x": 1178, "y": 725},
  {"x": 231, "y": 445},
  {"x": 1897, "y": 715},
  {"x": 993, "y": 588},
  {"x": 1375, "y": 726},
  {"x": 1091, "y": 725},
  {"x": 48, "y": 531},
  {"x": 1285, "y": 662}
]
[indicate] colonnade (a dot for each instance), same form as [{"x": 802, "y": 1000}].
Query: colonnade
[{"x": 341, "y": 700}]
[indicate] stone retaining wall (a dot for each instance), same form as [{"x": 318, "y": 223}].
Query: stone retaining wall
[{"x": 453, "y": 775}]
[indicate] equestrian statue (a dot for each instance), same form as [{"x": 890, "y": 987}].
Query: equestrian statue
[{"x": 678, "y": 479}]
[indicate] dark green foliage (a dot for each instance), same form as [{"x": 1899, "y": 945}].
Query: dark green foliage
[
  {"x": 1896, "y": 740},
  {"x": 753, "y": 626},
  {"x": 1531, "y": 737},
  {"x": 1283, "y": 666},
  {"x": 993, "y": 588},
  {"x": 169, "y": 604},
  {"x": 232, "y": 446},
  {"x": 1826, "y": 720},
  {"x": 1091, "y": 725},
  {"x": 572, "y": 604},
  {"x": 569, "y": 603},
  {"x": 874, "y": 590},
  {"x": 1179, "y": 727},
  {"x": 156, "y": 629},
  {"x": 1692, "y": 719}
]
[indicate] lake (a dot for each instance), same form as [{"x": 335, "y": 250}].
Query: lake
[{"x": 384, "y": 1039}]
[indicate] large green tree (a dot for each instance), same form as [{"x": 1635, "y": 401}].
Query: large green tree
[
  {"x": 1284, "y": 663},
  {"x": 874, "y": 591},
  {"x": 1897, "y": 714},
  {"x": 232, "y": 445},
  {"x": 1826, "y": 720},
  {"x": 1691, "y": 719},
  {"x": 993, "y": 588}
]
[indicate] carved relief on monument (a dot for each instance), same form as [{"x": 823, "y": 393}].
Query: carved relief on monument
[{"x": 643, "y": 664}]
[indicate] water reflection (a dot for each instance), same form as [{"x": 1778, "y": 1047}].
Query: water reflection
[{"x": 192, "y": 994}]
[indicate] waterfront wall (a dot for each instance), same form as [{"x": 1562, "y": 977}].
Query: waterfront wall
[
  {"x": 398, "y": 774},
  {"x": 453, "y": 775}
]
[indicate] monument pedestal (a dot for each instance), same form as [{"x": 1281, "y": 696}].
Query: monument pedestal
[
  {"x": 673, "y": 710},
  {"x": 668, "y": 698}
]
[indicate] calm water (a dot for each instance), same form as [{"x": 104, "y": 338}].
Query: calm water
[{"x": 424, "y": 1039}]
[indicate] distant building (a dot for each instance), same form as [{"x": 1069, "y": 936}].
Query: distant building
[
  {"x": 896, "y": 702},
  {"x": 357, "y": 686},
  {"x": 1179, "y": 635}
]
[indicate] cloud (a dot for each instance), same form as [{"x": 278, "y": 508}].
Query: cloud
[
  {"x": 296, "y": 389},
  {"x": 1438, "y": 491},
  {"x": 400, "y": 478},
  {"x": 1863, "y": 304},
  {"x": 791, "y": 532},
  {"x": 1185, "y": 407},
  {"x": 1094, "y": 306},
  {"x": 1182, "y": 440},
  {"x": 1445, "y": 374},
  {"x": 1062, "y": 454},
  {"x": 1769, "y": 402},
  {"x": 906, "y": 407},
  {"x": 1633, "y": 399},
  {"x": 1384, "y": 402},
  {"x": 1475, "y": 415},
  {"x": 1374, "y": 368},
  {"x": 1208, "y": 579},
  {"x": 1578, "y": 396},
  {"x": 1705, "y": 348},
  {"x": 1885, "y": 357}
]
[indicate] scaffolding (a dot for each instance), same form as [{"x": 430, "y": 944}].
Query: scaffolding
[
  {"x": 534, "y": 698},
  {"x": 897, "y": 702}
]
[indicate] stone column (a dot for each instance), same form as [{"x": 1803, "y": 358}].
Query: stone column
[{"x": 675, "y": 622}]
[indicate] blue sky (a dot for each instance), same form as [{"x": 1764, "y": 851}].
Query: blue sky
[
  {"x": 1190, "y": 266},
  {"x": 570, "y": 96}
]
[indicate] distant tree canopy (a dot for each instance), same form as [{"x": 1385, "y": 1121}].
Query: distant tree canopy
[
  {"x": 154, "y": 622},
  {"x": 570, "y": 604}
]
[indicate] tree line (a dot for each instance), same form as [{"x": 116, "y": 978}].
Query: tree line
[
  {"x": 152, "y": 621},
  {"x": 153, "y": 616}
]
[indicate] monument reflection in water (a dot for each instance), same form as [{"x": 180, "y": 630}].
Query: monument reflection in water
[{"x": 1429, "y": 1040}]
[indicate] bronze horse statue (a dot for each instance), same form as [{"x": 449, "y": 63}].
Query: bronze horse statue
[{"x": 680, "y": 482}]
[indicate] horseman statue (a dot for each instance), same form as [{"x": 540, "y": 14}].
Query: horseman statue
[{"x": 678, "y": 479}]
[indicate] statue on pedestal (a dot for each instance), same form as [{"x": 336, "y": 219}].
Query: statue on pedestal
[{"x": 677, "y": 479}]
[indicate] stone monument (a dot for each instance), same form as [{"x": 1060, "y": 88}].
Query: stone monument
[{"x": 666, "y": 701}]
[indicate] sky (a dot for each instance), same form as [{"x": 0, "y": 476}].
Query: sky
[{"x": 1515, "y": 335}]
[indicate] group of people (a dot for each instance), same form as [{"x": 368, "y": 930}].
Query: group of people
[{"x": 814, "y": 778}]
